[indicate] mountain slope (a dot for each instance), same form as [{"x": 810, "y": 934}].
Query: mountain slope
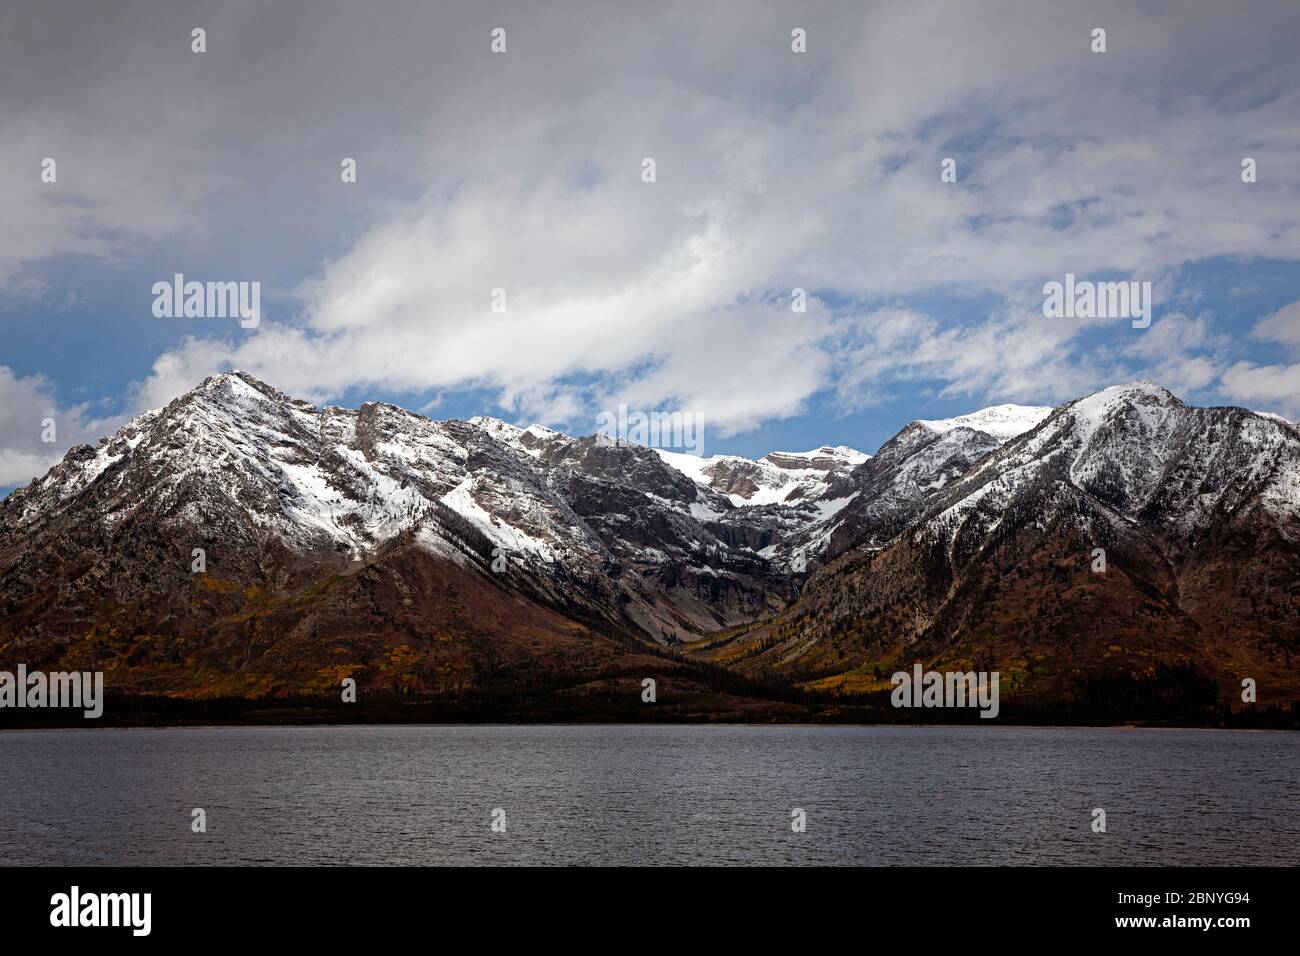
[
  {"x": 1197, "y": 510},
  {"x": 885, "y": 494},
  {"x": 243, "y": 542},
  {"x": 236, "y": 523}
]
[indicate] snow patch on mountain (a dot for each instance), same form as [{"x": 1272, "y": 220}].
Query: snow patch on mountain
[
  {"x": 595, "y": 513},
  {"x": 777, "y": 478},
  {"x": 531, "y": 440},
  {"x": 1003, "y": 422},
  {"x": 510, "y": 538},
  {"x": 1141, "y": 455},
  {"x": 823, "y": 459}
]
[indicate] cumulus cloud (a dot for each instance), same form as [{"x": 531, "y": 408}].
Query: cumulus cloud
[
  {"x": 1183, "y": 354},
  {"x": 1268, "y": 388},
  {"x": 30, "y": 413},
  {"x": 775, "y": 170},
  {"x": 1281, "y": 326},
  {"x": 1273, "y": 387}
]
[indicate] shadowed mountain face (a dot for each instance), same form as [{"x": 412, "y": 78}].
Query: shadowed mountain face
[{"x": 241, "y": 542}]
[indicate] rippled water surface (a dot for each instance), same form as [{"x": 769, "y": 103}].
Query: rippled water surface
[{"x": 636, "y": 794}]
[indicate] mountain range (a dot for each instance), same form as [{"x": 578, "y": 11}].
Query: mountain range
[{"x": 242, "y": 543}]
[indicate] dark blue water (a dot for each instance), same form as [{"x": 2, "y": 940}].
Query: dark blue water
[{"x": 649, "y": 795}]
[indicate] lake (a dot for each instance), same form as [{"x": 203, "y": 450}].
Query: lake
[{"x": 649, "y": 795}]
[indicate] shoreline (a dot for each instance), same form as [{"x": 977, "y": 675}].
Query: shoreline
[{"x": 336, "y": 725}]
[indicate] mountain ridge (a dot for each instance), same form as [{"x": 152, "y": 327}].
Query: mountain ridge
[
  {"x": 1196, "y": 513},
  {"x": 358, "y": 539}
]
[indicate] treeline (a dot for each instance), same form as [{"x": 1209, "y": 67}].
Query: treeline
[{"x": 686, "y": 692}]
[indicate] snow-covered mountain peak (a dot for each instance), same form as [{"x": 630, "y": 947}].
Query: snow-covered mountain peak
[
  {"x": 1274, "y": 416},
  {"x": 776, "y": 478},
  {"x": 541, "y": 431},
  {"x": 1135, "y": 453},
  {"x": 673, "y": 543},
  {"x": 237, "y": 383},
  {"x": 498, "y": 429},
  {"x": 1140, "y": 411},
  {"x": 1003, "y": 422},
  {"x": 825, "y": 458},
  {"x": 1130, "y": 393},
  {"x": 534, "y": 440}
]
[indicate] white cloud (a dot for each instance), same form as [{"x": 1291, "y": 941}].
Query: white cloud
[
  {"x": 775, "y": 170},
  {"x": 1281, "y": 326},
  {"x": 27, "y": 404},
  {"x": 1274, "y": 387},
  {"x": 1181, "y": 353},
  {"x": 1266, "y": 388}
]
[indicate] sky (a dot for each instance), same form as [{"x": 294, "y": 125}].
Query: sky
[{"x": 523, "y": 171}]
